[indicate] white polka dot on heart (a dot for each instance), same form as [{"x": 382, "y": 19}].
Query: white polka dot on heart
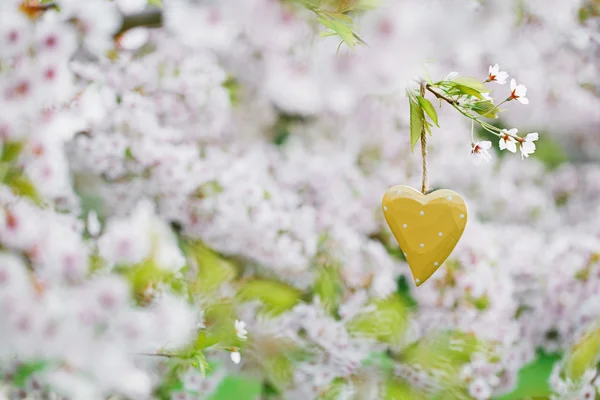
[
  {"x": 422, "y": 213},
  {"x": 435, "y": 264},
  {"x": 462, "y": 215},
  {"x": 422, "y": 245},
  {"x": 440, "y": 234},
  {"x": 404, "y": 226}
]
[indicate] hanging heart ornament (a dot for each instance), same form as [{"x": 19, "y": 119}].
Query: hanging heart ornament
[{"x": 426, "y": 226}]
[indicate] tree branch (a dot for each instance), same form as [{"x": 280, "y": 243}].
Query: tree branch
[
  {"x": 441, "y": 96},
  {"x": 150, "y": 18}
]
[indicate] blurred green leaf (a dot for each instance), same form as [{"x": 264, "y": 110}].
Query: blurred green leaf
[
  {"x": 26, "y": 371},
  {"x": 461, "y": 89},
  {"x": 471, "y": 83},
  {"x": 429, "y": 109},
  {"x": 341, "y": 28},
  {"x": 329, "y": 287},
  {"x": 399, "y": 390},
  {"x": 219, "y": 319},
  {"x": 276, "y": 297},
  {"x": 11, "y": 151},
  {"x": 417, "y": 119},
  {"x": 280, "y": 370},
  {"x": 404, "y": 291},
  {"x": 235, "y": 387},
  {"x": 584, "y": 355},
  {"x": 485, "y": 108},
  {"x": 387, "y": 323},
  {"x": 549, "y": 152},
  {"x": 213, "y": 270},
  {"x": 21, "y": 185},
  {"x": 533, "y": 379}
]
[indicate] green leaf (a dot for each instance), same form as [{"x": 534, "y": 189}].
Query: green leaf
[
  {"x": 417, "y": 118},
  {"x": 533, "y": 379},
  {"x": 276, "y": 297},
  {"x": 129, "y": 154},
  {"x": 583, "y": 356},
  {"x": 386, "y": 323},
  {"x": 472, "y": 83},
  {"x": 485, "y": 108},
  {"x": 339, "y": 17},
  {"x": 238, "y": 388},
  {"x": 21, "y": 185},
  {"x": 11, "y": 151},
  {"x": 213, "y": 270},
  {"x": 328, "y": 33},
  {"x": 343, "y": 30},
  {"x": 399, "y": 390},
  {"x": 25, "y": 371},
  {"x": 461, "y": 89},
  {"x": 329, "y": 287},
  {"x": 429, "y": 109}
]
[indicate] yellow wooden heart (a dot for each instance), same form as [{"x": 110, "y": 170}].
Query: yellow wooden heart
[{"x": 427, "y": 227}]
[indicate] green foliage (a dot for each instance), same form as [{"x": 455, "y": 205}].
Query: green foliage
[
  {"x": 233, "y": 88},
  {"x": 485, "y": 108},
  {"x": 11, "y": 151},
  {"x": 549, "y": 152},
  {"x": 533, "y": 379},
  {"x": 276, "y": 297},
  {"x": 329, "y": 287},
  {"x": 387, "y": 323},
  {"x": 429, "y": 109},
  {"x": 26, "y": 371},
  {"x": 213, "y": 270},
  {"x": 404, "y": 292},
  {"x": 471, "y": 83},
  {"x": 238, "y": 388},
  {"x": 22, "y": 186},
  {"x": 334, "y": 15},
  {"x": 417, "y": 119},
  {"x": 584, "y": 355},
  {"x": 447, "y": 351},
  {"x": 336, "y": 390},
  {"x": 148, "y": 274},
  {"x": 219, "y": 319},
  {"x": 396, "y": 389}
]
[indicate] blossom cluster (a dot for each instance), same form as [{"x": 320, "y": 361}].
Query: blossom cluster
[{"x": 189, "y": 203}]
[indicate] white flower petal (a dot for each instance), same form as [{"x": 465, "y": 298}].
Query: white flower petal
[
  {"x": 532, "y": 136},
  {"x": 511, "y": 146},
  {"x": 236, "y": 357},
  {"x": 486, "y": 144}
]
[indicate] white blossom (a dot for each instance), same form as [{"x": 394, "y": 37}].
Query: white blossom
[
  {"x": 527, "y": 146},
  {"x": 495, "y": 75},
  {"x": 480, "y": 152},
  {"x": 508, "y": 141},
  {"x": 518, "y": 92},
  {"x": 240, "y": 330}
]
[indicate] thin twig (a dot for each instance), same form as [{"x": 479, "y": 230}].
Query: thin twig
[
  {"x": 151, "y": 18},
  {"x": 441, "y": 96}
]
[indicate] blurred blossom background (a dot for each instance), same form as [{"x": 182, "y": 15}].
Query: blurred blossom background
[{"x": 191, "y": 201}]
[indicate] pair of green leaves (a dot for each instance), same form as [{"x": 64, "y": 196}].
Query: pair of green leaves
[
  {"x": 419, "y": 106},
  {"x": 464, "y": 93}
]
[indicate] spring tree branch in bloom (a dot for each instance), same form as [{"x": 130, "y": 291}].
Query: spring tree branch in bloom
[{"x": 190, "y": 199}]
